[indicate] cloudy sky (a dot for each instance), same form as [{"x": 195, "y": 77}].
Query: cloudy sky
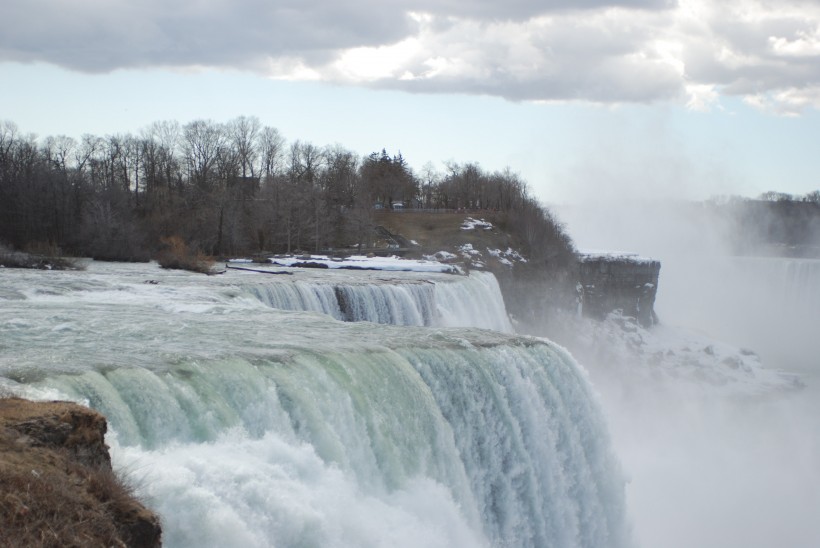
[{"x": 689, "y": 98}]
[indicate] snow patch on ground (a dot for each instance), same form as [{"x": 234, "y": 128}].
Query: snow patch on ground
[
  {"x": 474, "y": 258},
  {"x": 472, "y": 255},
  {"x": 620, "y": 256},
  {"x": 473, "y": 224},
  {"x": 507, "y": 257},
  {"x": 441, "y": 256},
  {"x": 467, "y": 251},
  {"x": 361, "y": 262}
]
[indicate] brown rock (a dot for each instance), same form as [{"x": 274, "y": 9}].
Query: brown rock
[{"x": 57, "y": 487}]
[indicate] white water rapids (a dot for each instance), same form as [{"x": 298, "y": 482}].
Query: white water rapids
[{"x": 249, "y": 425}]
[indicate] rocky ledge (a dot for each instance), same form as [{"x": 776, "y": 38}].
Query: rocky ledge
[
  {"x": 618, "y": 281},
  {"x": 57, "y": 487}
]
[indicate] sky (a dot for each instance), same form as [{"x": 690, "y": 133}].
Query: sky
[{"x": 586, "y": 99}]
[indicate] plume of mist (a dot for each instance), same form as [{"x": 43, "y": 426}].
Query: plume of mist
[{"x": 710, "y": 468}]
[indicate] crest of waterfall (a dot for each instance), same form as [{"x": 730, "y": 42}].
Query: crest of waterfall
[
  {"x": 252, "y": 426},
  {"x": 437, "y": 300}
]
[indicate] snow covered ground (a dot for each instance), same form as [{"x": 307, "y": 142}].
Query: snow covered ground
[
  {"x": 476, "y": 258},
  {"x": 595, "y": 254},
  {"x": 473, "y": 224},
  {"x": 360, "y": 262}
]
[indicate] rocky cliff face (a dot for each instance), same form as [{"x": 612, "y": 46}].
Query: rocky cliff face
[
  {"x": 609, "y": 282},
  {"x": 57, "y": 487}
]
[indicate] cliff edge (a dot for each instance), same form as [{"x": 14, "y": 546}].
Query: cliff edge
[
  {"x": 618, "y": 281},
  {"x": 57, "y": 487}
]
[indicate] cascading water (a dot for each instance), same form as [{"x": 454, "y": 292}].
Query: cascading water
[
  {"x": 251, "y": 426},
  {"x": 432, "y": 300},
  {"x": 745, "y": 300},
  {"x": 795, "y": 283}
]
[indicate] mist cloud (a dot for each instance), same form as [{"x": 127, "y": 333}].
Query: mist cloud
[{"x": 616, "y": 51}]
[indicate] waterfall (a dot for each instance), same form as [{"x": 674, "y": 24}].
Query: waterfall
[
  {"x": 252, "y": 426},
  {"x": 436, "y": 300},
  {"x": 795, "y": 282},
  {"x": 506, "y": 437},
  {"x": 743, "y": 300}
]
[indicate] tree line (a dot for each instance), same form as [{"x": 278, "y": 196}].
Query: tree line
[
  {"x": 773, "y": 223},
  {"x": 812, "y": 197},
  {"x": 226, "y": 189}
]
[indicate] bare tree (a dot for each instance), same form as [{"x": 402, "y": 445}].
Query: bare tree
[
  {"x": 301, "y": 201},
  {"x": 813, "y": 197},
  {"x": 429, "y": 180},
  {"x": 202, "y": 141},
  {"x": 339, "y": 182},
  {"x": 244, "y": 136},
  {"x": 271, "y": 147}
]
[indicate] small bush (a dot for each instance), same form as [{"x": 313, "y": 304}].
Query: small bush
[{"x": 177, "y": 255}]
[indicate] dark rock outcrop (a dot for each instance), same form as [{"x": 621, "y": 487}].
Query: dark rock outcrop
[
  {"x": 57, "y": 487},
  {"x": 609, "y": 282}
]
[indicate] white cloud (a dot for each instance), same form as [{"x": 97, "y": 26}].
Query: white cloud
[
  {"x": 365, "y": 64},
  {"x": 806, "y": 44},
  {"x": 602, "y": 51},
  {"x": 786, "y": 102},
  {"x": 290, "y": 68},
  {"x": 702, "y": 97}
]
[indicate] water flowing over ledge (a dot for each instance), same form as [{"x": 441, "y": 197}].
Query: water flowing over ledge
[
  {"x": 254, "y": 426},
  {"x": 431, "y": 300}
]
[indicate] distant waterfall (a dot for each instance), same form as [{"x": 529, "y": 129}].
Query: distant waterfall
[
  {"x": 460, "y": 301},
  {"x": 745, "y": 300},
  {"x": 251, "y": 426},
  {"x": 796, "y": 282}
]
